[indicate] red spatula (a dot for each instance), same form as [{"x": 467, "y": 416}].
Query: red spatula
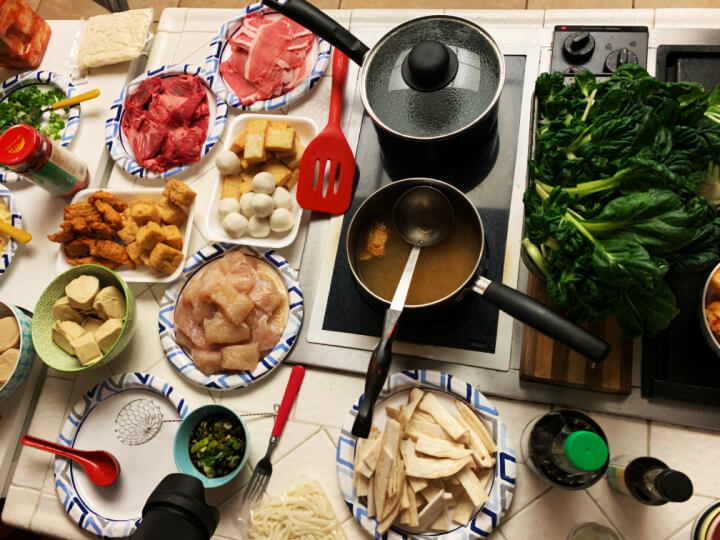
[{"x": 327, "y": 168}]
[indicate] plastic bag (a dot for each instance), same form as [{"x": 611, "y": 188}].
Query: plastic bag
[{"x": 24, "y": 35}]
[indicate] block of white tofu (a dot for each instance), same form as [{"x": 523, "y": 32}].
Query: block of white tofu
[
  {"x": 108, "y": 333},
  {"x": 9, "y": 333},
  {"x": 81, "y": 292},
  {"x": 64, "y": 332},
  {"x": 114, "y": 38},
  {"x": 86, "y": 349},
  {"x": 8, "y": 359},
  {"x": 63, "y": 311},
  {"x": 109, "y": 303}
]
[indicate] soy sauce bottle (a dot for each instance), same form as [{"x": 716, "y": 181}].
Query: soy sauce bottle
[
  {"x": 567, "y": 448},
  {"x": 648, "y": 480}
]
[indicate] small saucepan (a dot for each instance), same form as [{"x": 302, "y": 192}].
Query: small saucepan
[
  {"x": 444, "y": 274},
  {"x": 431, "y": 85}
]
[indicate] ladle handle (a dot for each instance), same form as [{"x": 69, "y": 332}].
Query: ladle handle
[
  {"x": 49, "y": 446},
  {"x": 542, "y": 318},
  {"x": 377, "y": 372},
  {"x": 316, "y": 21}
]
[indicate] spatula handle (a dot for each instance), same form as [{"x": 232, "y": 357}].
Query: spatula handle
[
  {"x": 339, "y": 73},
  {"x": 291, "y": 391}
]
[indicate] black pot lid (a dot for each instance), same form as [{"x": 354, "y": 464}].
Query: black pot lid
[{"x": 432, "y": 77}]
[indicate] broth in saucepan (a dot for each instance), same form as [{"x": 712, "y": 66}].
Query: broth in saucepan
[{"x": 440, "y": 269}]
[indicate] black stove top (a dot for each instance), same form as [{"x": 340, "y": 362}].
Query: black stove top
[{"x": 473, "y": 325}]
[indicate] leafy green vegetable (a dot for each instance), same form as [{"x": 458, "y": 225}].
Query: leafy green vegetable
[
  {"x": 16, "y": 109},
  {"x": 217, "y": 445},
  {"x": 617, "y": 198}
]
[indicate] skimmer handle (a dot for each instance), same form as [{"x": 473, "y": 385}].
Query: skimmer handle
[{"x": 291, "y": 391}]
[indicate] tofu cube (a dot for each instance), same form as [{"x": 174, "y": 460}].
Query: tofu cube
[
  {"x": 257, "y": 125},
  {"x": 254, "y": 151},
  {"x": 172, "y": 236},
  {"x": 279, "y": 138},
  {"x": 179, "y": 193},
  {"x": 279, "y": 171},
  {"x": 165, "y": 259},
  {"x": 292, "y": 160},
  {"x": 144, "y": 210},
  {"x": 148, "y": 235},
  {"x": 171, "y": 213},
  {"x": 293, "y": 179},
  {"x": 86, "y": 349},
  {"x": 134, "y": 250},
  {"x": 107, "y": 334},
  {"x": 238, "y": 143},
  {"x": 235, "y": 187}
]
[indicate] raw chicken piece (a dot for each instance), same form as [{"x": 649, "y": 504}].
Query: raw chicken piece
[
  {"x": 263, "y": 333},
  {"x": 233, "y": 304},
  {"x": 240, "y": 357},
  {"x": 208, "y": 362},
  {"x": 219, "y": 330},
  {"x": 264, "y": 295},
  {"x": 190, "y": 325}
]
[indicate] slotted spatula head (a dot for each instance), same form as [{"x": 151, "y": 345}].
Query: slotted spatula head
[{"x": 327, "y": 168}]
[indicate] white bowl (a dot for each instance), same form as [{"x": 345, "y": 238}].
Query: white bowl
[
  {"x": 306, "y": 130},
  {"x": 142, "y": 274}
]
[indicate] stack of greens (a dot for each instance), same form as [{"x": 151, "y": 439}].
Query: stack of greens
[
  {"x": 613, "y": 203},
  {"x": 18, "y": 107},
  {"x": 217, "y": 445}
]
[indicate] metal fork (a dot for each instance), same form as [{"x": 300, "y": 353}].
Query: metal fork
[{"x": 263, "y": 470}]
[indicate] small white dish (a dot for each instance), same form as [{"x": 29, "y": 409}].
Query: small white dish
[
  {"x": 306, "y": 130},
  {"x": 142, "y": 274}
]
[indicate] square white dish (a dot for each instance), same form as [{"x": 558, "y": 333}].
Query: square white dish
[
  {"x": 142, "y": 274},
  {"x": 306, "y": 130}
]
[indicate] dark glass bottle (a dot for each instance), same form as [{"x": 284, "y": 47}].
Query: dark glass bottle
[
  {"x": 649, "y": 480},
  {"x": 566, "y": 448}
]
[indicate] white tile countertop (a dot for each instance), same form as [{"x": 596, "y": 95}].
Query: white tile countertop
[{"x": 307, "y": 448}]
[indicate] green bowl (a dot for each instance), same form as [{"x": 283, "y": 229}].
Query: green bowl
[
  {"x": 181, "y": 446},
  {"x": 43, "y": 319}
]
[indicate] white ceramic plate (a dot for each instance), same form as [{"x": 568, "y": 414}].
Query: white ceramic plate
[
  {"x": 117, "y": 143},
  {"x": 306, "y": 130},
  {"x": 115, "y": 511},
  {"x": 220, "y": 51},
  {"x": 44, "y": 79},
  {"x": 229, "y": 381},
  {"x": 8, "y": 253},
  {"x": 142, "y": 274},
  {"x": 447, "y": 389}
]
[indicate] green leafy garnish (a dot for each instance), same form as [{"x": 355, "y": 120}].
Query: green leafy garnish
[
  {"x": 217, "y": 445},
  {"x": 624, "y": 183},
  {"x": 17, "y": 108}
]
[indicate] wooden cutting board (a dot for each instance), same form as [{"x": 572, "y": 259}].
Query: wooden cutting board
[{"x": 545, "y": 360}]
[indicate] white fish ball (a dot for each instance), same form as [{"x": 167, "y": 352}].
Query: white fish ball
[
  {"x": 263, "y": 182},
  {"x": 259, "y": 227},
  {"x": 281, "y": 220},
  {"x": 227, "y": 206},
  {"x": 235, "y": 224},
  {"x": 227, "y": 162},
  {"x": 262, "y": 205},
  {"x": 282, "y": 198},
  {"x": 246, "y": 204}
]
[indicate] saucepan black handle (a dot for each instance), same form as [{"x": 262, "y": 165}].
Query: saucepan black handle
[
  {"x": 542, "y": 318},
  {"x": 377, "y": 372},
  {"x": 316, "y": 21}
]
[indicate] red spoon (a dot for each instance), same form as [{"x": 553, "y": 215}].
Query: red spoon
[{"x": 100, "y": 466}]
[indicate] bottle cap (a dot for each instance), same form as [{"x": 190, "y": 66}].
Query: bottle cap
[
  {"x": 674, "y": 485},
  {"x": 586, "y": 450},
  {"x": 18, "y": 144}
]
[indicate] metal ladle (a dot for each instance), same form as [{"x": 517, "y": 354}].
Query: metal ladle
[{"x": 423, "y": 216}]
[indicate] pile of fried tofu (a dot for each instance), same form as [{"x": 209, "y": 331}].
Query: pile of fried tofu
[
  {"x": 428, "y": 467},
  {"x": 267, "y": 146}
]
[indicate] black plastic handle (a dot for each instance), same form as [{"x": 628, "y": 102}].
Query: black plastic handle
[
  {"x": 316, "y": 21},
  {"x": 377, "y": 372},
  {"x": 544, "y": 319}
]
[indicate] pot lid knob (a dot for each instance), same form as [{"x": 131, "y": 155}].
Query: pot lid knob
[{"x": 429, "y": 66}]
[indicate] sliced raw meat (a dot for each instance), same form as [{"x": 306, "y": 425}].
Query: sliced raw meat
[
  {"x": 220, "y": 330},
  {"x": 233, "y": 304},
  {"x": 240, "y": 357},
  {"x": 189, "y": 324},
  {"x": 265, "y": 335},
  {"x": 208, "y": 362},
  {"x": 265, "y": 295}
]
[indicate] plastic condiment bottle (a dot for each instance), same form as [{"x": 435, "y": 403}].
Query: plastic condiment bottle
[
  {"x": 567, "y": 448},
  {"x": 649, "y": 480},
  {"x": 32, "y": 154}
]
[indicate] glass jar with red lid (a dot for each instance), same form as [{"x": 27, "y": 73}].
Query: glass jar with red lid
[{"x": 33, "y": 155}]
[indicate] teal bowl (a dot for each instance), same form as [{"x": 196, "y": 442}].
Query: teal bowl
[
  {"x": 181, "y": 447},
  {"x": 27, "y": 354},
  {"x": 43, "y": 319}
]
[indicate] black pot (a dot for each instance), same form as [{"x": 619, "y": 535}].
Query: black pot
[
  {"x": 431, "y": 85},
  {"x": 509, "y": 300}
]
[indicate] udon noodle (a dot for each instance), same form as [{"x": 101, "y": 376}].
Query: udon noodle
[{"x": 302, "y": 512}]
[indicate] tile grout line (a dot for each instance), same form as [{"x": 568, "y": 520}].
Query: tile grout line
[
  {"x": 670, "y": 536},
  {"x": 602, "y": 511},
  {"x": 528, "y": 504}
]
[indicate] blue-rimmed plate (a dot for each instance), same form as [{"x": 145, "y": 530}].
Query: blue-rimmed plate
[
  {"x": 8, "y": 253},
  {"x": 115, "y": 511},
  {"x": 118, "y": 145},
  {"x": 395, "y": 392},
  {"x": 182, "y": 361},
  {"x": 220, "y": 50},
  {"x": 42, "y": 78}
]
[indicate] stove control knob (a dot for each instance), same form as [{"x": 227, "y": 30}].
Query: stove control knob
[
  {"x": 573, "y": 70},
  {"x": 579, "y": 46},
  {"x": 618, "y": 57}
]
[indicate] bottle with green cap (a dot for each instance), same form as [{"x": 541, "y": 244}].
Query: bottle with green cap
[
  {"x": 567, "y": 448},
  {"x": 649, "y": 480}
]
